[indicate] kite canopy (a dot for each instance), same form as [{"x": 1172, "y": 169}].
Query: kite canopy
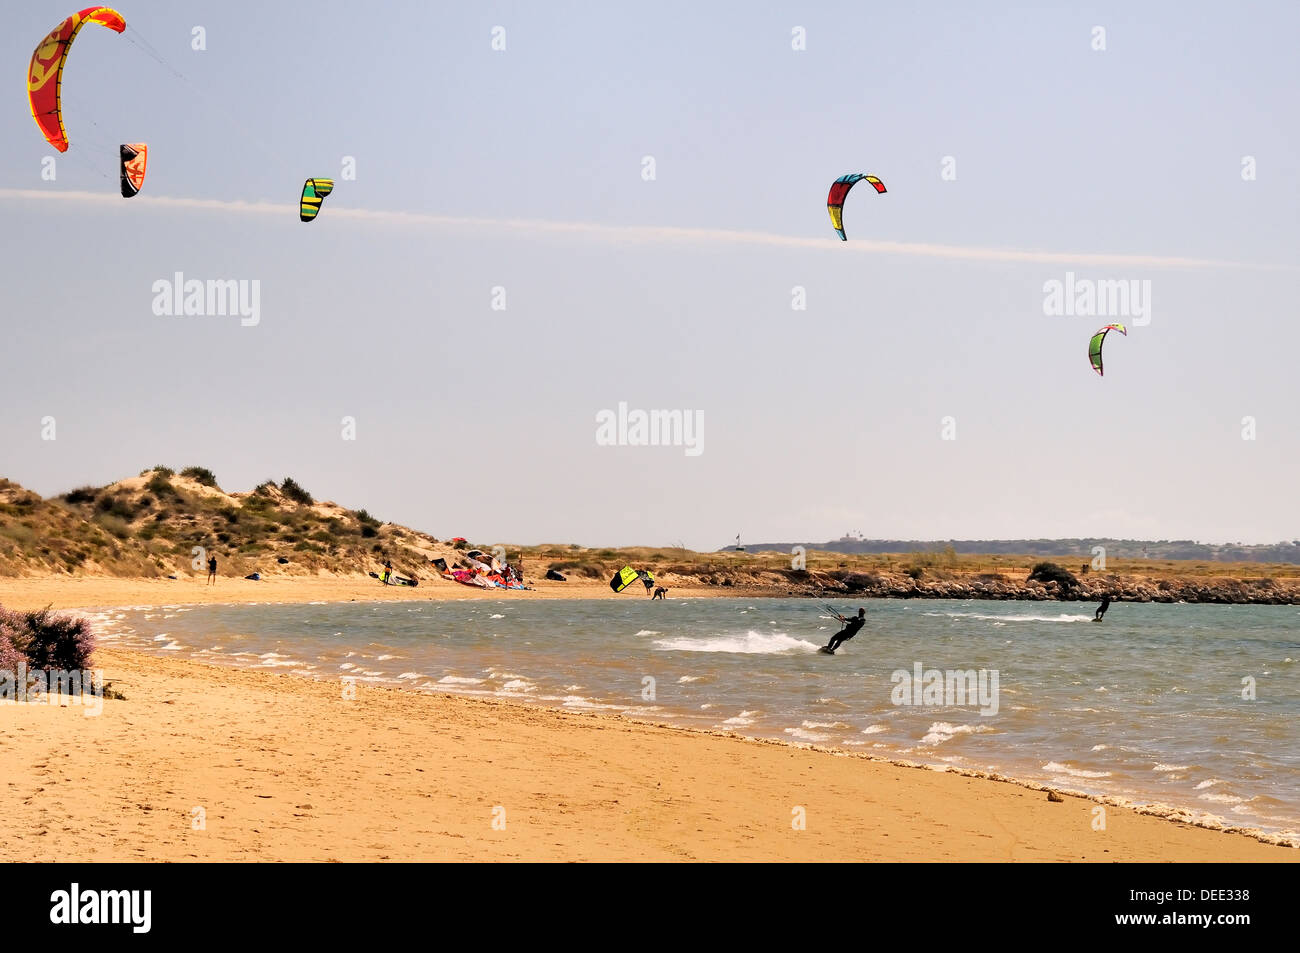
[
  {"x": 45, "y": 74},
  {"x": 840, "y": 191},
  {"x": 313, "y": 193},
  {"x": 134, "y": 157},
  {"x": 624, "y": 578},
  {"x": 1094, "y": 345}
]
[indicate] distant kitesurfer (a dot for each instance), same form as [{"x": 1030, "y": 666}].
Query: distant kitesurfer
[
  {"x": 212, "y": 571},
  {"x": 388, "y": 571},
  {"x": 648, "y": 580},
  {"x": 851, "y": 628},
  {"x": 660, "y": 592},
  {"x": 1101, "y": 609}
]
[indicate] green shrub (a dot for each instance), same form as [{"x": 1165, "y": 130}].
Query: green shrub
[
  {"x": 82, "y": 494},
  {"x": 200, "y": 475},
  {"x": 294, "y": 491},
  {"x": 115, "y": 525},
  {"x": 915, "y": 572},
  {"x": 160, "y": 485},
  {"x": 1050, "y": 572},
  {"x": 165, "y": 471}
]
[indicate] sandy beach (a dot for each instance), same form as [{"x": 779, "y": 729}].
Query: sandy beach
[
  {"x": 206, "y": 763},
  {"x": 63, "y": 592}
]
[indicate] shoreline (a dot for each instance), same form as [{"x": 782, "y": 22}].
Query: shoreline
[
  {"x": 1163, "y": 811},
  {"x": 67, "y": 593},
  {"x": 206, "y": 734}
]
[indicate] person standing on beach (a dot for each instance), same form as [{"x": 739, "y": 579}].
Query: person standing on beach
[
  {"x": 851, "y": 628},
  {"x": 212, "y": 571},
  {"x": 660, "y": 592},
  {"x": 1101, "y": 609},
  {"x": 388, "y": 571}
]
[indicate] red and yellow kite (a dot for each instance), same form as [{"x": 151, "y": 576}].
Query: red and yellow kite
[{"x": 45, "y": 75}]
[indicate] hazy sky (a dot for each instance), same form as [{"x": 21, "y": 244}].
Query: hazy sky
[{"x": 523, "y": 169}]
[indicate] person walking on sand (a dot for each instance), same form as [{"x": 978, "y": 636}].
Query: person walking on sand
[
  {"x": 212, "y": 571},
  {"x": 1101, "y": 609},
  {"x": 851, "y": 628}
]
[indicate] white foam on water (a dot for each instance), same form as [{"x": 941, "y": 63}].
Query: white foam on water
[
  {"x": 685, "y": 679},
  {"x": 942, "y": 731},
  {"x": 751, "y": 643},
  {"x": 1074, "y": 772},
  {"x": 1222, "y": 798},
  {"x": 744, "y": 718},
  {"x": 496, "y": 616},
  {"x": 806, "y": 735},
  {"x": 1169, "y": 768},
  {"x": 1100, "y": 747},
  {"x": 1209, "y": 783},
  {"x": 460, "y": 680},
  {"x": 1062, "y": 617},
  {"x": 825, "y": 724},
  {"x": 385, "y": 658},
  {"x": 648, "y": 632},
  {"x": 345, "y": 666},
  {"x": 874, "y": 729},
  {"x": 577, "y": 701},
  {"x": 518, "y": 685},
  {"x": 410, "y": 675}
]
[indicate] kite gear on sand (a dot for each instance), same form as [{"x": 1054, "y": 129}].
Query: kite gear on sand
[{"x": 624, "y": 578}]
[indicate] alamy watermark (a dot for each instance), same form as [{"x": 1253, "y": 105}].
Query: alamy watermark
[
  {"x": 1098, "y": 298},
  {"x": 651, "y": 428},
  {"x": 178, "y": 296},
  {"x": 53, "y": 686},
  {"x": 931, "y": 687}
]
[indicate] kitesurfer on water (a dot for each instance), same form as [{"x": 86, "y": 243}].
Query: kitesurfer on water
[
  {"x": 1101, "y": 609},
  {"x": 851, "y": 628}
]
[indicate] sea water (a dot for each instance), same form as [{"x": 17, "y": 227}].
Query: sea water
[{"x": 1194, "y": 707}]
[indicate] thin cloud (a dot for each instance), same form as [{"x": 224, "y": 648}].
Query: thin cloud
[{"x": 639, "y": 234}]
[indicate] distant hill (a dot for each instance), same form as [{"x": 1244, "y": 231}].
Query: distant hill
[
  {"x": 1186, "y": 549},
  {"x": 149, "y": 526}
]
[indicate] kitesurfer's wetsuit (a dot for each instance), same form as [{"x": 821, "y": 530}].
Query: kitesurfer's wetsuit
[
  {"x": 1101, "y": 609},
  {"x": 851, "y": 628}
]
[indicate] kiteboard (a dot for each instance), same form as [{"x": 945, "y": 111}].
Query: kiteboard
[{"x": 826, "y": 651}]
